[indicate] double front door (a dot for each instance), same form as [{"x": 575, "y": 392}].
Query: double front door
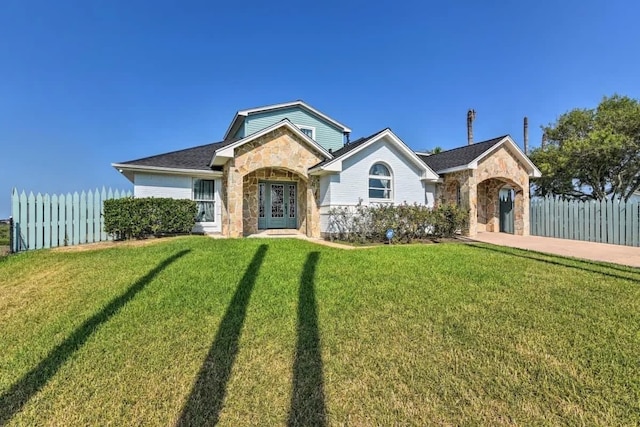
[{"x": 277, "y": 205}]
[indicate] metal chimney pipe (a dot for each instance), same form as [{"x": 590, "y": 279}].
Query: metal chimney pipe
[
  {"x": 526, "y": 135},
  {"x": 471, "y": 116},
  {"x": 544, "y": 139}
]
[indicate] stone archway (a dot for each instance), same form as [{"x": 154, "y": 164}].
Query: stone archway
[
  {"x": 251, "y": 214},
  {"x": 488, "y": 216},
  {"x": 477, "y": 190},
  {"x": 277, "y": 155}
]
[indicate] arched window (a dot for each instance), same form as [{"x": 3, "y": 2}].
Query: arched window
[{"x": 380, "y": 182}]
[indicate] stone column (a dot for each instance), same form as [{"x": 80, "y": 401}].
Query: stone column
[
  {"x": 521, "y": 211},
  {"x": 232, "y": 221},
  {"x": 469, "y": 190},
  {"x": 493, "y": 203},
  {"x": 250, "y": 204},
  {"x": 312, "y": 211}
]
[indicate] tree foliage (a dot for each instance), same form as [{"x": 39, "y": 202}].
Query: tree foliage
[{"x": 592, "y": 153}]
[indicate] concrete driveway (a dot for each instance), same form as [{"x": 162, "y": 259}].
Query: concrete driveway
[{"x": 618, "y": 254}]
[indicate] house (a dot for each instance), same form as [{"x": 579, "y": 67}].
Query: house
[{"x": 284, "y": 166}]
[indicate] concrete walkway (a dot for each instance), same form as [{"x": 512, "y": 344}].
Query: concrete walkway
[{"x": 618, "y": 254}]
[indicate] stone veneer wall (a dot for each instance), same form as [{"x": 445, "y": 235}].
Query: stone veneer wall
[
  {"x": 468, "y": 198},
  {"x": 480, "y": 188},
  {"x": 504, "y": 167},
  {"x": 281, "y": 154}
]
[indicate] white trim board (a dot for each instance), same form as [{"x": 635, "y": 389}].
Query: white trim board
[{"x": 129, "y": 170}]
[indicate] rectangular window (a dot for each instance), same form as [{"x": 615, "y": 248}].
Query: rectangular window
[
  {"x": 203, "y": 194},
  {"x": 310, "y": 131}
]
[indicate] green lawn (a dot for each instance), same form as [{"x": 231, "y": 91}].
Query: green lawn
[{"x": 273, "y": 332}]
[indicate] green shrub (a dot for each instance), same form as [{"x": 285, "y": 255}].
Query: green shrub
[
  {"x": 4, "y": 234},
  {"x": 448, "y": 219},
  {"x": 363, "y": 224},
  {"x": 138, "y": 218}
]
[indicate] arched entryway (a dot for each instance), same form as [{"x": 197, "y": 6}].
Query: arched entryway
[
  {"x": 500, "y": 205},
  {"x": 274, "y": 198}
]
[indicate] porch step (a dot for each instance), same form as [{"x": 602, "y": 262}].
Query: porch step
[{"x": 280, "y": 232}]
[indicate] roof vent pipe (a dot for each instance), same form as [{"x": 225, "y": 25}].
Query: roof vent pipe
[{"x": 471, "y": 116}]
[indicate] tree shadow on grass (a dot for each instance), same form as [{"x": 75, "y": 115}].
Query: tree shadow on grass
[
  {"x": 12, "y": 400},
  {"x": 590, "y": 267},
  {"x": 307, "y": 399},
  {"x": 207, "y": 396}
]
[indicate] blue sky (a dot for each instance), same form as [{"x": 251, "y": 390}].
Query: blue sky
[{"x": 87, "y": 83}]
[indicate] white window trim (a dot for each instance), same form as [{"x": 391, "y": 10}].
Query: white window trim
[
  {"x": 391, "y": 195},
  {"x": 193, "y": 197},
  {"x": 311, "y": 128}
]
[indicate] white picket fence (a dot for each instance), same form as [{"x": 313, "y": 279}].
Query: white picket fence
[{"x": 48, "y": 221}]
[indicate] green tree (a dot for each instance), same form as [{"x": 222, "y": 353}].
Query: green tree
[{"x": 592, "y": 153}]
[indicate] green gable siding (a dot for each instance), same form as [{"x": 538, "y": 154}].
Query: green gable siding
[
  {"x": 327, "y": 135},
  {"x": 240, "y": 132}
]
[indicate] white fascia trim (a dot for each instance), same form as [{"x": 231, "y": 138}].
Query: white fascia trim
[
  {"x": 427, "y": 172},
  {"x": 226, "y": 153},
  {"x": 245, "y": 113},
  {"x": 231, "y": 126},
  {"x": 533, "y": 170},
  {"x": 169, "y": 171},
  {"x": 431, "y": 179}
]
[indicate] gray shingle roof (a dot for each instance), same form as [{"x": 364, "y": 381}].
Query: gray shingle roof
[
  {"x": 350, "y": 146},
  {"x": 458, "y": 156},
  {"x": 197, "y": 158}
]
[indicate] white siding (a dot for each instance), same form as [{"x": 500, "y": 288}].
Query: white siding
[
  {"x": 176, "y": 187},
  {"x": 172, "y": 186},
  {"x": 325, "y": 188},
  {"x": 352, "y": 184},
  {"x": 430, "y": 193}
]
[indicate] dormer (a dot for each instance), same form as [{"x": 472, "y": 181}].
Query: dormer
[{"x": 327, "y": 132}]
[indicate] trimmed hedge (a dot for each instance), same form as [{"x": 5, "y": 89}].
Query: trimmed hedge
[
  {"x": 138, "y": 218},
  {"x": 4, "y": 234},
  {"x": 409, "y": 222}
]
